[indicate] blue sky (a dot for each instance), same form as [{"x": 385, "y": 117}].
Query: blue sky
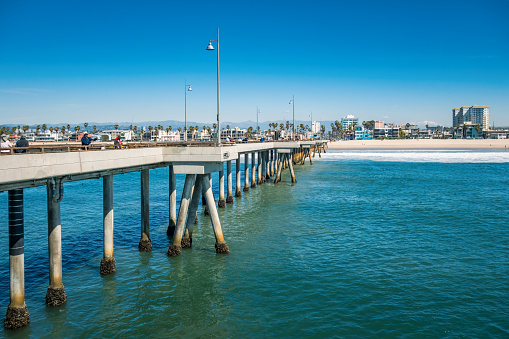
[{"x": 115, "y": 61}]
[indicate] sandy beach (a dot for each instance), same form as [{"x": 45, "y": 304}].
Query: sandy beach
[{"x": 422, "y": 144}]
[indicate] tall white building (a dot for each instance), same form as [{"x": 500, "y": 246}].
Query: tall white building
[
  {"x": 348, "y": 121},
  {"x": 315, "y": 127},
  {"x": 472, "y": 115}
]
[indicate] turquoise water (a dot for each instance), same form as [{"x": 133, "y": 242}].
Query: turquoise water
[{"x": 367, "y": 243}]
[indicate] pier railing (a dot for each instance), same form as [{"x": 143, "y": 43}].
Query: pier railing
[{"x": 103, "y": 146}]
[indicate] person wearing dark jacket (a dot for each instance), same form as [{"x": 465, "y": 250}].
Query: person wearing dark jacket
[
  {"x": 86, "y": 140},
  {"x": 22, "y": 142}
]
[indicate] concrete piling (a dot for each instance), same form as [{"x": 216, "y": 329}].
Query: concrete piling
[
  {"x": 55, "y": 294},
  {"x": 17, "y": 312},
  {"x": 145, "y": 243},
  {"x": 246, "y": 172},
  {"x": 292, "y": 173},
  {"x": 279, "y": 168},
  {"x": 173, "y": 202},
  {"x": 221, "y": 246},
  {"x": 187, "y": 240},
  {"x": 221, "y": 202},
  {"x": 238, "y": 193},
  {"x": 253, "y": 170},
  {"x": 266, "y": 162},
  {"x": 108, "y": 264},
  {"x": 229, "y": 193},
  {"x": 259, "y": 169},
  {"x": 176, "y": 246}
]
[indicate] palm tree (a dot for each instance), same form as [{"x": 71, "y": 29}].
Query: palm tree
[
  {"x": 228, "y": 127},
  {"x": 44, "y": 128},
  {"x": 477, "y": 128},
  {"x": 26, "y": 128},
  {"x": 95, "y": 128},
  {"x": 85, "y": 125},
  {"x": 179, "y": 129},
  {"x": 37, "y": 128},
  {"x": 115, "y": 127},
  {"x": 130, "y": 127}
]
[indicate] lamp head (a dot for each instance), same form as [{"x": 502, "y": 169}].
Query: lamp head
[
  {"x": 189, "y": 89},
  {"x": 210, "y": 47}
]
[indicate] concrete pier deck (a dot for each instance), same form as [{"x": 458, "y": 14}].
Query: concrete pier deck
[{"x": 23, "y": 170}]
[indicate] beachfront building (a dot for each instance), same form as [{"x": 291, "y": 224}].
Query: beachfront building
[
  {"x": 114, "y": 133},
  {"x": 349, "y": 120},
  {"x": 233, "y": 133},
  {"x": 474, "y": 115},
  {"x": 362, "y": 133},
  {"x": 315, "y": 127}
]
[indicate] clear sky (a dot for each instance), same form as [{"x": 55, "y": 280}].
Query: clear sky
[{"x": 114, "y": 61}]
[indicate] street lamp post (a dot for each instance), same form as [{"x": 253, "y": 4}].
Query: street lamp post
[
  {"x": 257, "y": 127},
  {"x": 186, "y": 88},
  {"x": 311, "y": 126},
  {"x": 211, "y": 48},
  {"x": 293, "y": 128}
]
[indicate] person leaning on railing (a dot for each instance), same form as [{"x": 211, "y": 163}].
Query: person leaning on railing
[
  {"x": 86, "y": 140},
  {"x": 22, "y": 142},
  {"x": 4, "y": 144}
]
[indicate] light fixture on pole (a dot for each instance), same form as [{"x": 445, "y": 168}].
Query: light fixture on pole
[
  {"x": 293, "y": 127},
  {"x": 311, "y": 126},
  {"x": 211, "y": 48},
  {"x": 257, "y": 127},
  {"x": 186, "y": 88}
]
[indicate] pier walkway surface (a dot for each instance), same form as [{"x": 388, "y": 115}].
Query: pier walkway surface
[
  {"x": 53, "y": 165},
  {"x": 71, "y": 162}
]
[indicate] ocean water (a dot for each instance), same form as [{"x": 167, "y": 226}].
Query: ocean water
[{"x": 407, "y": 243}]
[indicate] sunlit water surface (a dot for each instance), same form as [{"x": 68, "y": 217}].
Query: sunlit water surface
[{"x": 367, "y": 243}]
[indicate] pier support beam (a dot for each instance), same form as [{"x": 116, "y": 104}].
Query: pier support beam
[
  {"x": 108, "y": 264},
  {"x": 173, "y": 202},
  {"x": 238, "y": 193},
  {"x": 292, "y": 173},
  {"x": 259, "y": 168},
  {"x": 145, "y": 243},
  {"x": 246, "y": 172},
  {"x": 187, "y": 240},
  {"x": 276, "y": 162},
  {"x": 279, "y": 169},
  {"x": 229, "y": 193},
  {"x": 221, "y": 246},
  {"x": 253, "y": 170},
  {"x": 221, "y": 202},
  {"x": 17, "y": 312},
  {"x": 55, "y": 294},
  {"x": 176, "y": 246}
]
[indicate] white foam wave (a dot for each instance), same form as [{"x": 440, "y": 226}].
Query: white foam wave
[{"x": 443, "y": 156}]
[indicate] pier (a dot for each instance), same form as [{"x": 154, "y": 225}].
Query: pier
[{"x": 53, "y": 166}]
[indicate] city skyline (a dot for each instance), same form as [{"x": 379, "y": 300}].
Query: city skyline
[{"x": 121, "y": 62}]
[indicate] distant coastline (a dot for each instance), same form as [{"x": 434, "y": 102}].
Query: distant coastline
[{"x": 422, "y": 144}]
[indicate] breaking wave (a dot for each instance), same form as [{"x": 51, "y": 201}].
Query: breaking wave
[{"x": 442, "y": 156}]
